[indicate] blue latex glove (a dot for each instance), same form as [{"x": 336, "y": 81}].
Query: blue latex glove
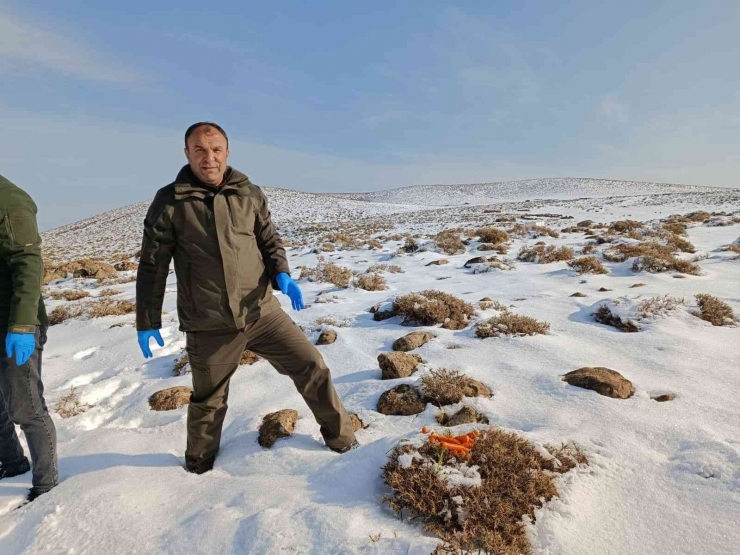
[
  {"x": 22, "y": 345},
  {"x": 144, "y": 337},
  {"x": 290, "y": 288}
]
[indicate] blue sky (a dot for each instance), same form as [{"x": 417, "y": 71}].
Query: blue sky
[{"x": 350, "y": 96}]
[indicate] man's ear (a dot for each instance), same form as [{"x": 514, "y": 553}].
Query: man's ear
[{"x": 187, "y": 153}]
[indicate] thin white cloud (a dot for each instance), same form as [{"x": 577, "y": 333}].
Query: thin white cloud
[
  {"x": 613, "y": 109},
  {"x": 26, "y": 46}
]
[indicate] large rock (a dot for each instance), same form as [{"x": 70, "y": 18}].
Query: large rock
[
  {"x": 402, "y": 400},
  {"x": 603, "y": 381},
  {"x": 440, "y": 262},
  {"x": 170, "y": 399},
  {"x": 474, "y": 388},
  {"x": 327, "y": 337},
  {"x": 412, "y": 341},
  {"x": 276, "y": 425},
  {"x": 475, "y": 260},
  {"x": 398, "y": 364},
  {"x": 466, "y": 415}
]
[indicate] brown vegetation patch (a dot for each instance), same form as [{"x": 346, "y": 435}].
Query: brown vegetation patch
[
  {"x": 371, "y": 282},
  {"x": 508, "y": 323},
  {"x": 545, "y": 254},
  {"x": 511, "y": 479},
  {"x": 69, "y": 405},
  {"x": 70, "y": 295},
  {"x": 93, "y": 309},
  {"x": 492, "y": 235},
  {"x": 390, "y": 268},
  {"x": 328, "y": 272},
  {"x": 625, "y": 226},
  {"x": 431, "y": 307},
  {"x": 715, "y": 311},
  {"x": 658, "y": 305},
  {"x": 587, "y": 265},
  {"x": 450, "y": 242}
]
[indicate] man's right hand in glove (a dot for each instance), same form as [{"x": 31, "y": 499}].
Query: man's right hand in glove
[{"x": 144, "y": 337}]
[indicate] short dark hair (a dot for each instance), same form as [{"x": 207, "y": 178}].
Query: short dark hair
[{"x": 195, "y": 126}]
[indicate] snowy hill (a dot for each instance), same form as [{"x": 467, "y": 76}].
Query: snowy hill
[{"x": 553, "y": 188}]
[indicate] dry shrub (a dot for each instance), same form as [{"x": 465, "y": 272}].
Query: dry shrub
[
  {"x": 714, "y": 310},
  {"x": 658, "y": 305},
  {"x": 371, "y": 282},
  {"x": 492, "y": 235},
  {"x": 327, "y": 247},
  {"x": 699, "y": 216},
  {"x": 501, "y": 248},
  {"x": 605, "y": 316},
  {"x": 545, "y": 254},
  {"x": 92, "y": 309},
  {"x": 69, "y": 405},
  {"x": 109, "y": 292},
  {"x": 181, "y": 366},
  {"x": 540, "y": 230},
  {"x": 374, "y": 244},
  {"x": 679, "y": 243},
  {"x": 496, "y": 305},
  {"x": 118, "y": 280},
  {"x": 323, "y": 321},
  {"x": 327, "y": 272},
  {"x": 70, "y": 295},
  {"x": 588, "y": 248},
  {"x": 624, "y": 226},
  {"x": 516, "y": 478},
  {"x": 676, "y": 228},
  {"x": 431, "y": 307},
  {"x": 409, "y": 246},
  {"x": 624, "y": 251},
  {"x": 390, "y": 268},
  {"x": 449, "y": 241},
  {"x": 587, "y": 265},
  {"x": 657, "y": 264},
  {"x": 511, "y": 324}
]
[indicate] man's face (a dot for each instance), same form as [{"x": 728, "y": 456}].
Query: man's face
[{"x": 207, "y": 153}]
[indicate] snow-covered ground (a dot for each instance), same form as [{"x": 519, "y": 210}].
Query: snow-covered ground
[{"x": 664, "y": 478}]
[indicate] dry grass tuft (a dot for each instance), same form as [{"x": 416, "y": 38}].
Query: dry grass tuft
[
  {"x": 495, "y": 305},
  {"x": 70, "y": 295},
  {"x": 109, "y": 292},
  {"x": 181, "y": 366},
  {"x": 545, "y": 254},
  {"x": 699, "y": 216},
  {"x": 676, "y": 228},
  {"x": 678, "y": 243},
  {"x": 625, "y": 226},
  {"x": 444, "y": 387},
  {"x": 390, "y": 268},
  {"x": 92, "y": 309},
  {"x": 69, "y": 405},
  {"x": 511, "y": 324},
  {"x": 658, "y": 305},
  {"x": 492, "y": 235},
  {"x": 450, "y": 242},
  {"x": 511, "y": 478},
  {"x": 328, "y": 272},
  {"x": 431, "y": 307},
  {"x": 587, "y": 265},
  {"x": 715, "y": 311},
  {"x": 371, "y": 282},
  {"x": 541, "y": 230},
  {"x": 657, "y": 264},
  {"x": 605, "y": 316}
]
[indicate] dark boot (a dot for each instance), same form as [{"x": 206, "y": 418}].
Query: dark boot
[{"x": 16, "y": 469}]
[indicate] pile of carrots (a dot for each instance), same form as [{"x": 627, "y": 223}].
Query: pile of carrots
[{"x": 456, "y": 444}]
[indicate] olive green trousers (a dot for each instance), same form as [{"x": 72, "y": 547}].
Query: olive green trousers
[{"x": 214, "y": 357}]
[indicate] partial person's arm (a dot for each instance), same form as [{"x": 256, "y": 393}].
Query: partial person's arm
[
  {"x": 269, "y": 242},
  {"x": 154, "y": 265},
  {"x": 21, "y": 250}
]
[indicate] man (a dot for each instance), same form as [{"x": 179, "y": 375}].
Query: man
[
  {"x": 23, "y": 326},
  {"x": 228, "y": 258}
]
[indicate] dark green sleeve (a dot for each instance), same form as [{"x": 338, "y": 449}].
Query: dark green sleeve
[
  {"x": 154, "y": 266},
  {"x": 269, "y": 241},
  {"x": 21, "y": 249}
]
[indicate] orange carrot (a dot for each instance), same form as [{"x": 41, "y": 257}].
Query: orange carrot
[{"x": 425, "y": 430}]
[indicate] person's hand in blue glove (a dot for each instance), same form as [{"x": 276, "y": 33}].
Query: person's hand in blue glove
[
  {"x": 22, "y": 345},
  {"x": 290, "y": 288},
  {"x": 144, "y": 337}
]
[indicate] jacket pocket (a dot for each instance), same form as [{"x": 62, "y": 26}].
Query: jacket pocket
[{"x": 22, "y": 230}]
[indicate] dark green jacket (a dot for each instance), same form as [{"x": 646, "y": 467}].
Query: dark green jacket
[
  {"x": 21, "y": 268},
  {"x": 226, "y": 249}
]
